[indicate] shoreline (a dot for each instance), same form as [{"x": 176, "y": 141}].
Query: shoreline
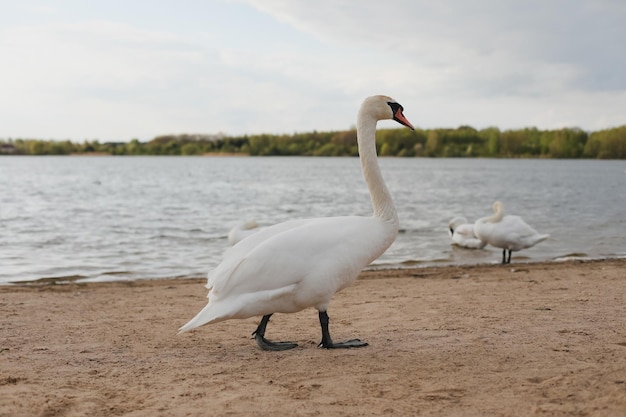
[
  {"x": 544, "y": 338},
  {"x": 383, "y": 269}
]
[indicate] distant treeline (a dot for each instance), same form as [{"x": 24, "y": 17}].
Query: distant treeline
[{"x": 464, "y": 141}]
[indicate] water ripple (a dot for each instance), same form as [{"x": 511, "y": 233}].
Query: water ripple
[{"x": 125, "y": 218}]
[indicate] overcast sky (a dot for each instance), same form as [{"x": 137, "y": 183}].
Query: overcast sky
[{"x": 114, "y": 70}]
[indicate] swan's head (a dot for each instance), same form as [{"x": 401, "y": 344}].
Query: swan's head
[
  {"x": 456, "y": 222},
  {"x": 385, "y": 108}
]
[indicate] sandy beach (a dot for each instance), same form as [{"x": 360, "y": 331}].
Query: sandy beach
[{"x": 540, "y": 339}]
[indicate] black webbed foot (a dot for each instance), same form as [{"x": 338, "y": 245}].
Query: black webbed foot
[
  {"x": 264, "y": 344},
  {"x": 327, "y": 341},
  {"x": 352, "y": 343},
  {"x": 269, "y": 345}
]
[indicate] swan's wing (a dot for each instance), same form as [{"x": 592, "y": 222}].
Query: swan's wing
[
  {"x": 259, "y": 235},
  {"x": 511, "y": 232},
  {"x": 233, "y": 255},
  {"x": 293, "y": 252},
  {"x": 517, "y": 228}
]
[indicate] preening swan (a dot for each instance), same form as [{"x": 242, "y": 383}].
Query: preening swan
[
  {"x": 298, "y": 264},
  {"x": 507, "y": 232},
  {"x": 462, "y": 234},
  {"x": 241, "y": 231}
]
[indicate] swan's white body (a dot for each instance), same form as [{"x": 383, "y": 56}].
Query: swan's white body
[
  {"x": 241, "y": 231},
  {"x": 462, "y": 234},
  {"x": 507, "y": 232},
  {"x": 298, "y": 264}
]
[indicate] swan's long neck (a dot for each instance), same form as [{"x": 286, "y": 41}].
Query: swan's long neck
[
  {"x": 497, "y": 215},
  {"x": 382, "y": 202}
]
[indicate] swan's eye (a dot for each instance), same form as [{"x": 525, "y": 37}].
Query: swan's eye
[{"x": 395, "y": 106}]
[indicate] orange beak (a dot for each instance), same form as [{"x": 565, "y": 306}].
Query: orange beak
[{"x": 399, "y": 117}]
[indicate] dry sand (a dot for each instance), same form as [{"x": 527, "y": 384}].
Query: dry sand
[{"x": 517, "y": 340}]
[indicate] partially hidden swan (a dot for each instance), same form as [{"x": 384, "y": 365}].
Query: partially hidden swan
[
  {"x": 242, "y": 230},
  {"x": 298, "y": 264},
  {"x": 462, "y": 234},
  {"x": 507, "y": 232}
]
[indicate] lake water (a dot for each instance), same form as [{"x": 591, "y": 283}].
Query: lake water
[{"x": 125, "y": 218}]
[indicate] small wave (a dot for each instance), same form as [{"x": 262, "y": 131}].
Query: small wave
[
  {"x": 51, "y": 280},
  {"x": 576, "y": 256},
  {"x": 117, "y": 273}
]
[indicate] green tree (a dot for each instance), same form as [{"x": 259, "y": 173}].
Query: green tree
[
  {"x": 190, "y": 149},
  {"x": 491, "y": 135},
  {"x": 607, "y": 144},
  {"x": 433, "y": 143}
]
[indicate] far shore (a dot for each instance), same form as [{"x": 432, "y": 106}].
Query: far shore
[{"x": 210, "y": 154}]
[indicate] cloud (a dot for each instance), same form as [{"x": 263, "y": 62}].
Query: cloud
[
  {"x": 281, "y": 66},
  {"x": 533, "y": 47},
  {"x": 511, "y": 64},
  {"x": 81, "y": 70}
]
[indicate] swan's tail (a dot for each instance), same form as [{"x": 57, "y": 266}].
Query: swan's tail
[
  {"x": 541, "y": 238},
  {"x": 202, "y": 318}
]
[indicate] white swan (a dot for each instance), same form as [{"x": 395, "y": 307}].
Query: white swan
[
  {"x": 298, "y": 264},
  {"x": 507, "y": 232},
  {"x": 241, "y": 231},
  {"x": 462, "y": 234}
]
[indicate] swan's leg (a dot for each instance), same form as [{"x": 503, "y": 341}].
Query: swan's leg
[
  {"x": 504, "y": 258},
  {"x": 259, "y": 336},
  {"x": 327, "y": 342}
]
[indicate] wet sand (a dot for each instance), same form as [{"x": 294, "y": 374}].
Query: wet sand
[{"x": 526, "y": 339}]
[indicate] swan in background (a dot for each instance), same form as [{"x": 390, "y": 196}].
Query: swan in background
[
  {"x": 462, "y": 234},
  {"x": 507, "y": 232},
  {"x": 242, "y": 230},
  {"x": 298, "y": 264}
]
